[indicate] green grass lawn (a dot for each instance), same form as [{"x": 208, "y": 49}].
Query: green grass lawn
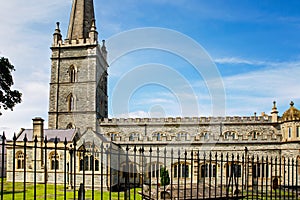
[
  {"x": 280, "y": 194},
  {"x": 40, "y": 188}
]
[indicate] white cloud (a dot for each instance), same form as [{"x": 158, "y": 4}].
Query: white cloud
[
  {"x": 27, "y": 47},
  {"x": 136, "y": 114},
  {"x": 258, "y": 89},
  {"x": 236, "y": 61},
  {"x": 153, "y": 101},
  {"x": 282, "y": 81}
]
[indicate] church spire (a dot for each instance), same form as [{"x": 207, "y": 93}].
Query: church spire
[{"x": 81, "y": 19}]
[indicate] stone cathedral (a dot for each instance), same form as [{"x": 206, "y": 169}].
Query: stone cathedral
[{"x": 78, "y": 116}]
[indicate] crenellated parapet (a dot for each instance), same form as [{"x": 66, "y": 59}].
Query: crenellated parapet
[
  {"x": 187, "y": 120},
  {"x": 193, "y": 138},
  {"x": 191, "y": 130},
  {"x": 82, "y": 33},
  {"x": 90, "y": 41}
]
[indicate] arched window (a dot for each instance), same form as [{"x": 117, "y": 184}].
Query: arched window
[
  {"x": 154, "y": 169},
  {"x": 88, "y": 157},
  {"x": 157, "y": 136},
  {"x": 103, "y": 83},
  {"x": 133, "y": 136},
  {"x": 230, "y": 135},
  {"x": 54, "y": 161},
  {"x": 254, "y": 134},
  {"x": 260, "y": 170},
  {"x": 225, "y": 135},
  {"x": 181, "y": 170},
  {"x": 112, "y": 136},
  {"x": 208, "y": 170},
  {"x": 20, "y": 160},
  {"x": 72, "y": 74},
  {"x": 233, "y": 170},
  {"x": 70, "y": 100},
  {"x": 289, "y": 132},
  {"x": 182, "y": 136},
  {"x": 205, "y": 135}
]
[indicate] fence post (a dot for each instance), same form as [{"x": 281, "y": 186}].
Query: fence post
[
  {"x": 45, "y": 169},
  {"x": 14, "y": 166},
  {"x": 65, "y": 168},
  {"x": 172, "y": 175},
  {"x": 216, "y": 173},
  {"x": 209, "y": 174},
  {"x": 150, "y": 169},
  {"x": 127, "y": 184},
  {"x": 297, "y": 166},
  {"x": 157, "y": 169},
  {"x": 35, "y": 157},
  {"x": 56, "y": 163},
  {"x": 178, "y": 173},
  {"x": 142, "y": 171},
  {"x": 74, "y": 167},
  {"x": 2, "y": 165},
  {"x": 81, "y": 192},
  {"x": 84, "y": 165},
  {"x": 93, "y": 170},
  {"x": 134, "y": 172},
  {"x": 25, "y": 163},
  {"x": 119, "y": 169},
  {"x": 221, "y": 178},
  {"x": 101, "y": 181},
  {"x": 109, "y": 157}
]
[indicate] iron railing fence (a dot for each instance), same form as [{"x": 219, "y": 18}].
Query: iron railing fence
[{"x": 43, "y": 169}]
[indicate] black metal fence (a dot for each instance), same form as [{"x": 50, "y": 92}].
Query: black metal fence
[{"x": 43, "y": 169}]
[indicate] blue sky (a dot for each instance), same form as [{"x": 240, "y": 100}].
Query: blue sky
[{"x": 254, "y": 44}]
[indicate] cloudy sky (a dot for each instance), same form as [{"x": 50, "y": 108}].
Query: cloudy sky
[{"x": 254, "y": 45}]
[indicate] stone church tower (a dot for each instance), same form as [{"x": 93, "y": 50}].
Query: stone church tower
[{"x": 78, "y": 84}]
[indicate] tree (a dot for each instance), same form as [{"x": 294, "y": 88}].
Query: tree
[
  {"x": 164, "y": 176},
  {"x": 8, "y": 98}
]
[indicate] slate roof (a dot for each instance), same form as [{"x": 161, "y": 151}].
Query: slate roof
[{"x": 61, "y": 134}]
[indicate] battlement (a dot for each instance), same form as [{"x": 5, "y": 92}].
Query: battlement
[
  {"x": 194, "y": 137},
  {"x": 188, "y": 120}
]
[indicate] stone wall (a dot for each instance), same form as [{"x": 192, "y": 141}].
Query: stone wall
[
  {"x": 190, "y": 130},
  {"x": 89, "y": 65}
]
